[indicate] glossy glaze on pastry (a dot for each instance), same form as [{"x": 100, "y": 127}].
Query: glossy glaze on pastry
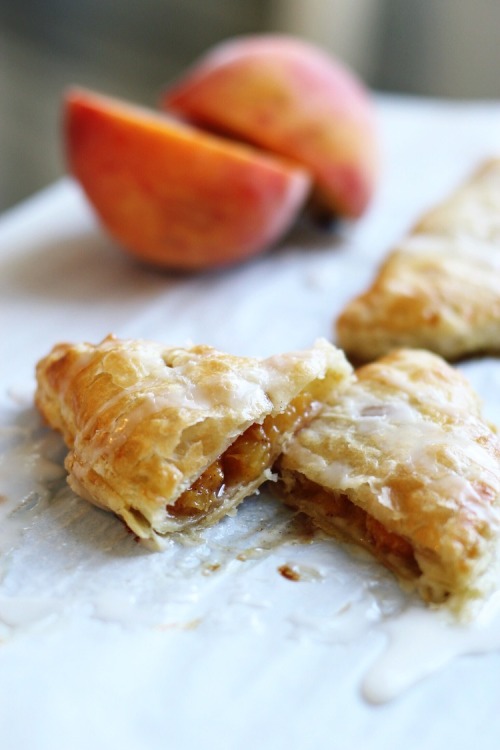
[
  {"x": 174, "y": 438},
  {"x": 440, "y": 288},
  {"x": 402, "y": 463}
]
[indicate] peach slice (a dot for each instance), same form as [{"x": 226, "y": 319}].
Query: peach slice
[
  {"x": 291, "y": 98},
  {"x": 172, "y": 195}
]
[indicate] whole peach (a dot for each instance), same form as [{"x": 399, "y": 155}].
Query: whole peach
[{"x": 290, "y": 98}]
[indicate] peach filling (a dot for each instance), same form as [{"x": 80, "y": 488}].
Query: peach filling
[
  {"x": 336, "y": 512},
  {"x": 245, "y": 459}
]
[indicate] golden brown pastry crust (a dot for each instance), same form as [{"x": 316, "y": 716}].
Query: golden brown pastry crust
[
  {"x": 440, "y": 288},
  {"x": 405, "y": 444},
  {"x": 143, "y": 421}
]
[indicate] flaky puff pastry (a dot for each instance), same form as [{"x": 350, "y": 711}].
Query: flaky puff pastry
[
  {"x": 440, "y": 288},
  {"x": 171, "y": 438},
  {"x": 402, "y": 463}
]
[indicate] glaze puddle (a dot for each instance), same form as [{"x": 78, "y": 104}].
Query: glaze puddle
[{"x": 258, "y": 572}]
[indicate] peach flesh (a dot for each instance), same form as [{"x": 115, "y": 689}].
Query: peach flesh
[{"x": 175, "y": 196}]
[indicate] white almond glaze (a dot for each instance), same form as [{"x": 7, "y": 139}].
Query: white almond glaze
[
  {"x": 144, "y": 421},
  {"x": 406, "y": 443},
  {"x": 420, "y": 640}
]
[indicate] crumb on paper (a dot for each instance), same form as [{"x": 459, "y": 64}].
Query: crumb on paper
[
  {"x": 188, "y": 625},
  {"x": 294, "y": 572},
  {"x": 289, "y": 572},
  {"x": 210, "y": 568}
]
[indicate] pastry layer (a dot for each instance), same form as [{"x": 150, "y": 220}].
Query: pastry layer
[
  {"x": 439, "y": 289},
  {"x": 402, "y": 462},
  {"x": 144, "y": 422}
]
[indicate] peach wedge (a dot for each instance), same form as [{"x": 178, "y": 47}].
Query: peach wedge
[
  {"x": 290, "y": 98},
  {"x": 172, "y": 195}
]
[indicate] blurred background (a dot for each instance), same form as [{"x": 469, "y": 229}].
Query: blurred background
[{"x": 132, "y": 48}]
